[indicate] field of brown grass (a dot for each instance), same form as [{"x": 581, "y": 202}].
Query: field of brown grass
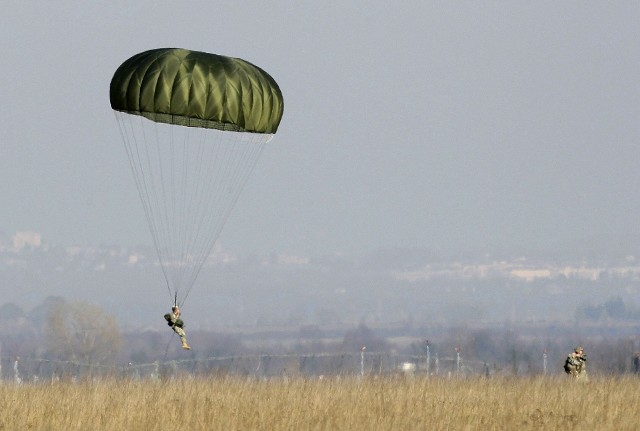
[{"x": 383, "y": 403}]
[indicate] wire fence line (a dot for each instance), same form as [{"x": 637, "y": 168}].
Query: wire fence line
[{"x": 33, "y": 370}]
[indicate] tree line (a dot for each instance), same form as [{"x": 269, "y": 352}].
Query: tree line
[{"x": 83, "y": 333}]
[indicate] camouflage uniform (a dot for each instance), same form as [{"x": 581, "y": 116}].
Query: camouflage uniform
[
  {"x": 174, "y": 321},
  {"x": 576, "y": 364}
]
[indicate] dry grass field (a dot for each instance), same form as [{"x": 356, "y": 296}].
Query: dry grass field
[{"x": 383, "y": 403}]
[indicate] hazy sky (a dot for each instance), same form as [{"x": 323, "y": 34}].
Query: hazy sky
[{"x": 445, "y": 125}]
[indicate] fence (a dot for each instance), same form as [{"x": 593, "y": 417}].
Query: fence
[{"x": 22, "y": 370}]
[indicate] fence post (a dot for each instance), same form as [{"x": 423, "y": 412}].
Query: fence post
[
  {"x": 16, "y": 372},
  {"x": 362, "y": 349},
  {"x": 426, "y": 343},
  {"x": 544, "y": 362}
]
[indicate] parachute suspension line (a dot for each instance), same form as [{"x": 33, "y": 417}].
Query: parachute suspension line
[
  {"x": 206, "y": 153},
  {"x": 173, "y": 144},
  {"x": 132, "y": 147},
  {"x": 158, "y": 191},
  {"x": 177, "y": 170},
  {"x": 238, "y": 161},
  {"x": 195, "y": 181},
  {"x": 166, "y": 181},
  {"x": 153, "y": 193},
  {"x": 206, "y": 167},
  {"x": 181, "y": 224},
  {"x": 189, "y": 179}
]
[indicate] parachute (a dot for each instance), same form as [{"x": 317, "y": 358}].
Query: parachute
[{"x": 194, "y": 125}]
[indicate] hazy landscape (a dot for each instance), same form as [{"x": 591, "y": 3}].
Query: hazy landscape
[
  {"x": 387, "y": 286},
  {"x": 258, "y": 315}
]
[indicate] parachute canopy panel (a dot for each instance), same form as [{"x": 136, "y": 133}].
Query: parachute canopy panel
[{"x": 197, "y": 89}]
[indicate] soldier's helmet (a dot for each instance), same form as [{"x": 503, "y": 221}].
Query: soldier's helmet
[{"x": 579, "y": 349}]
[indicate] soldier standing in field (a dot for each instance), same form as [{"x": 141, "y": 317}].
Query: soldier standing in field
[
  {"x": 576, "y": 364},
  {"x": 175, "y": 322}
]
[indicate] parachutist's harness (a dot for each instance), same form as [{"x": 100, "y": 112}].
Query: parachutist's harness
[
  {"x": 169, "y": 317},
  {"x": 171, "y": 322}
]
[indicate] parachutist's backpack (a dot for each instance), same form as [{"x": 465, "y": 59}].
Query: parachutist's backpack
[{"x": 179, "y": 323}]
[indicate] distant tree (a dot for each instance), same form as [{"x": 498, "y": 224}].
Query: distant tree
[
  {"x": 13, "y": 321},
  {"x": 589, "y": 312},
  {"x": 11, "y": 311},
  {"x": 82, "y": 332},
  {"x": 39, "y": 315},
  {"x": 139, "y": 357},
  {"x": 615, "y": 308},
  {"x": 363, "y": 336},
  {"x": 481, "y": 345}
]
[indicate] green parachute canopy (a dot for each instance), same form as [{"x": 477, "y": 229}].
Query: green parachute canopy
[{"x": 197, "y": 89}]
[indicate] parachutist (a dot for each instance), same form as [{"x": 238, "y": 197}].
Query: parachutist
[
  {"x": 175, "y": 322},
  {"x": 576, "y": 364}
]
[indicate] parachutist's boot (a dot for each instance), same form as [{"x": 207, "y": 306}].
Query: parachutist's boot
[{"x": 185, "y": 346}]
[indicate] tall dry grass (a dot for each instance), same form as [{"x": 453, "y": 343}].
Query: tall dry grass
[{"x": 384, "y": 403}]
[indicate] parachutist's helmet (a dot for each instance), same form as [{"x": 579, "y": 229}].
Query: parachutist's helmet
[{"x": 579, "y": 349}]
